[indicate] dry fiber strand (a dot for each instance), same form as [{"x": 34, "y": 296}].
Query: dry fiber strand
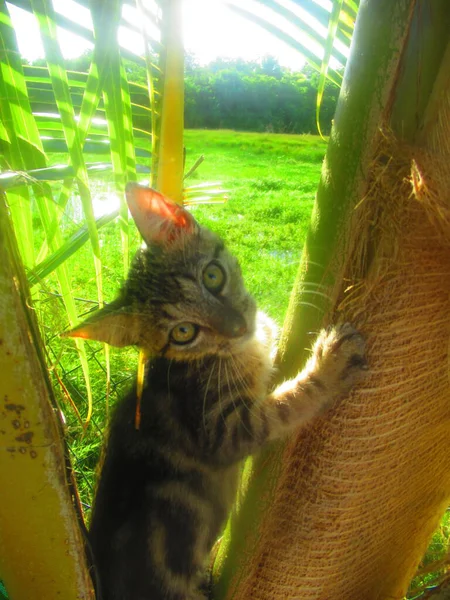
[{"x": 363, "y": 490}]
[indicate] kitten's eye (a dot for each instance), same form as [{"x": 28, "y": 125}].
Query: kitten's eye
[
  {"x": 214, "y": 278},
  {"x": 183, "y": 333}
]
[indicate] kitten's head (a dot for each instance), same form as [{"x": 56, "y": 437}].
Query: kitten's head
[{"x": 184, "y": 296}]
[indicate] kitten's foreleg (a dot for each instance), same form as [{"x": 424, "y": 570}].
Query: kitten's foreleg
[{"x": 337, "y": 362}]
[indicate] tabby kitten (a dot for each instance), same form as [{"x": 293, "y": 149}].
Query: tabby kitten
[{"x": 166, "y": 487}]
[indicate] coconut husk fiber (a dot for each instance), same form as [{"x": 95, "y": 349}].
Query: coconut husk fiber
[{"x": 362, "y": 491}]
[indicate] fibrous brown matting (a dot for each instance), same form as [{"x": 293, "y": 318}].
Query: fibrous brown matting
[{"x": 362, "y": 491}]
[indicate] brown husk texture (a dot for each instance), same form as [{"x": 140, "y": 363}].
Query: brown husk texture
[{"x": 362, "y": 491}]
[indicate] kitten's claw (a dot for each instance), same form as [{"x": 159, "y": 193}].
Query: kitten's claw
[{"x": 340, "y": 355}]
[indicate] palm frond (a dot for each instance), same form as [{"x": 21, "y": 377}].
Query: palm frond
[
  {"x": 117, "y": 101},
  {"x": 333, "y": 26},
  {"x": 66, "y": 250}
]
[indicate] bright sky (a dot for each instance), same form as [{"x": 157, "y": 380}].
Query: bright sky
[{"x": 211, "y": 29}]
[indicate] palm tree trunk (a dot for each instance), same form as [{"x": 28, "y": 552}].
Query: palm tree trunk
[
  {"x": 42, "y": 553},
  {"x": 346, "y": 509}
]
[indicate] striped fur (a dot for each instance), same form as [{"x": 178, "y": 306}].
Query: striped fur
[{"x": 165, "y": 490}]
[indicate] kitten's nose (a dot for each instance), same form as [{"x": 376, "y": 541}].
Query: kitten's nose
[
  {"x": 238, "y": 330},
  {"x": 230, "y": 322},
  {"x": 234, "y": 324}
]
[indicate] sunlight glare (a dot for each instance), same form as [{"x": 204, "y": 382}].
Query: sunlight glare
[
  {"x": 211, "y": 30},
  {"x": 105, "y": 203},
  {"x": 29, "y": 39}
]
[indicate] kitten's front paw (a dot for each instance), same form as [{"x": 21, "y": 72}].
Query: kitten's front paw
[{"x": 339, "y": 357}]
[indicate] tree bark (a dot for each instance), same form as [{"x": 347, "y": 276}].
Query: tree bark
[
  {"x": 42, "y": 550},
  {"x": 333, "y": 513}
]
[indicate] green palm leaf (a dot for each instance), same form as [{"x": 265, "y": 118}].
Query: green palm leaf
[
  {"x": 66, "y": 250},
  {"x": 21, "y": 143},
  {"x": 328, "y": 52},
  {"x": 43, "y": 9},
  {"x": 117, "y": 102}
]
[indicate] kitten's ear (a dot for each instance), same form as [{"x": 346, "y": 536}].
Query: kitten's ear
[
  {"x": 112, "y": 325},
  {"x": 158, "y": 218}
]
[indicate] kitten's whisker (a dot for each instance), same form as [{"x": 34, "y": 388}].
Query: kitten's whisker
[
  {"x": 168, "y": 377},
  {"x": 249, "y": 408},
  {"x": 219, "y": 393},
  {"x": 236, "y": 364},
  {"x": 245, "y": 388},
  {"x": 326, "y": 296},
  {"x": 228, "y": 379},
  {"x": 206, "y": 393},
  {"x": 270, "y": 417},
  {"x": 303, "y": 303},
  {"x": 316, "y": 264},
  {"x": 232, "y": 395},
  {"x": 314, "y": 285}
]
